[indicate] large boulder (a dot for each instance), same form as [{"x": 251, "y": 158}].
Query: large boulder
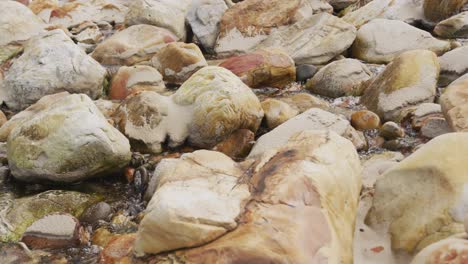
[
  {"x": 132, "y": 45},
  {"x": 312, "y": 119},
  {"x": 453, "y": 27},
  {"x": 409, "y": 80},
  {"x": 453, "y": 65},
  {"x": 340, "y": 78},
  {"x": 422, "y": 199},
  {"x": 265, "y": 67},
  {"x": 68, "y": 141},
  {"x": 454, "y": 102},
  {"x": 436, "y": 10},
  {"x": 381, "y": 40},
  {"x": 51, "y": 63},
  {"x": 168, "y": 14},
  {"x": 197, "y": 199}
]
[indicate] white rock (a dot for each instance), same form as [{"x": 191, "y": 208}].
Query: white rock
[
  {"x": 17, "y": 23},
  {"x": 453, "y": 64}
]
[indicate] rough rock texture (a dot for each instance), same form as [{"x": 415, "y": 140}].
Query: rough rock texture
[
  {"x": 237, "y": 145},
  {"x": 381, "y": 40},
  {"x": 453, "y": 27},
  {"x": 130, "y": 80},
  {"x": 265, "y": 67},
  {"x": 178, "y": 61},
  {"x": 277, "y": 112},
  {"x": 197, "y": 199},
  {"x": 68, "y": 141},
  {"x": 454, "y": 102},
  {"x": 169, "y": 14},
  {"x": 132, "y": 45},
  {"x": 303, "y": 210},
  {"x": 51, "y": 63},
  {"x": 313, "y": 119},
  {"x": 339, "y": 78},
  {"x": 204, "y": 17},
  {"x": 436, "y": 10},
  {"x": 453, "y": 65},
  {"x": 409, "y": 80},
  {"x": 422, "y": 199},
  {"x": 450, "y": 251}
]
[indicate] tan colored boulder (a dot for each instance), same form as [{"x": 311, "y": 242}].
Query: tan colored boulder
[
  {"x": 130, "y": 80},
  {"x": 277, "y": 112},
  {"x": 409, "y": 80},
  {"x": 453, "y": 27},
  {"x": 132, "y": 45},
  {"x": 265, "y": 67},
  {"x": 304, "y": 101},
  {"x": 422, "y": 199},
  {"x": 437, "y": 10},
  {"x": 381, "y": 40},
  {"x": 454, "y": 102},
  {"x": 178, "y": 61}
]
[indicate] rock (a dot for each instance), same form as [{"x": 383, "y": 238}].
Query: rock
[
  {"x": 309, "y": 186},
  {"x": 96, "y": 212},
  {"x": 453, "y": 27},
  {"x": 118, "y": 250},
  {"x": 391, "y": 130},
  {"x": 88, "y": 33},
  {"x": 132, "y": 45},
  {"x": 3, "y": 118},
  {"x": 68, "y": 141},
  {"x": 381, "y": 40},
  {"x": 455, "y": 107},
  {"x": 341, "y": 4},
  {"x": 197, "y": 199},
  {"x": 453, "y": 65},
  {"x": 18, "y": 23},
  {"x": 189, "y": 60},
  {"x": 161, "y": 13},
  {"x": 450, "y": 250},
  {"x": 20, "y": 213},
  {"x": 375, "y": 165},
  {"x": 433, "y": 127},
  {"x": 365, "y": 120},
  {"x": 424, "y": 111},
  {"x": 204, "y": 17},
  {"x": 130, "y": 80},
  {"x": 312, "y": 119},
  {"x": 410, "y": 79},
  {"x": 304, "y": 101},
  {"x": 305, "y": 71},
  {"x": 51, "y": 63},
  {"x": 237, "y": 145},
  {"x": 53, "y": 232},
  {"x": 277, "y": 112},
  {"x": 265, "y": 67},
  {"x": 102, "y": 236},
  {"x": 107, "y": 108},
  {"x": 404, "y": 203},
  {"x": 339, "y": 78},
  {"x": 436, "y": 10}
]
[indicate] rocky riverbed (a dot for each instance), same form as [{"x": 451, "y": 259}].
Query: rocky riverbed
[{"x": 219, "y": 131}]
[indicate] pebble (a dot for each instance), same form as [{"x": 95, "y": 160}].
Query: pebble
[
  {"x": 391, "y": 130},
  {"x": 365, "y": 120}
]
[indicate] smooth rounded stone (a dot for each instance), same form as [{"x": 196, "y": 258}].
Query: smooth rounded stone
[
  {"x": 130, "y": 80},
  {"x": 312, "y": 119},
  {"x": 382, "y": 40},
  {"x": 237, "y": 145},
  {"x": 53, "y": 232},
  {"x": 451, "y": 250},
  {"x": 305, "y": 71},
  {"x": 339, "y": 78},
  {"x": 304, "y": 101},
  {"x": 315, "y": 40},
  {"x": 453, "y": 27},
  {"x": 132, "y": 45},
  {"x": 391, "y": 130},
  {"x": 453, "y": 65},
  {"x": 410, "y": 79},
  {"x": 432, "y": 127},
  {"x": 168, "y": 14},
  {"x": 204, "y": 17},
  {"x": 197, "y": 199},
  {"x": 422, "y": 199},
  {"x": 375, "y": 165},
  {"x": 96, "y": 212},
  {"x": 18, "y": 22},
  {"x": 437, "y": 10},
  {"x": 68, "y": 141},
  {"x": 269, "y": 67},
  {"x": 22, "y": 212},
  {"x": 365, "y": 120},
  {"x": 455, "y": 107},
  {"x": 309, "y": 186},
  {"x": 189, "y": 60},
  {"x": 119, "y": 249},
  {"x": 50, "y": 63},
  {"x": 341, "y": 4},
  {"x": 277, "y": 112}
]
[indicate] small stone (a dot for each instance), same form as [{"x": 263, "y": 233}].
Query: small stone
[
  {"x": 130, "y": 80},
  {"x": 405, "y": 144},
  {"x": 94, "y": 213},
  {"x": 277, "y": 112},
  {"x": 54, "y": 231},
  {"x": 305, "y": 71},
  {"x": 237, "y": 145},
  {"x": 365, "y": 120},
  {"x": 391, "y": 130},
  {"x": 434, "y": 126}
]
